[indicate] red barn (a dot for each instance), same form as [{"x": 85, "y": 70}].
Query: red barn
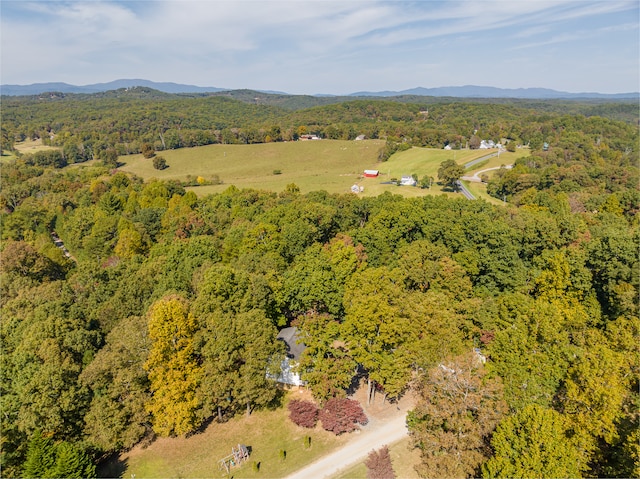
[{"x": 371, "y": 173}]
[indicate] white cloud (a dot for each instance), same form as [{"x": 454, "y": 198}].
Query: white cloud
[{"x": 322, "y": 45}]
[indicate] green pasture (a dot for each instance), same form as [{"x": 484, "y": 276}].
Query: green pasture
[
  {"x": 330, "y": 165},
  {"x": 265, "y": 432}
]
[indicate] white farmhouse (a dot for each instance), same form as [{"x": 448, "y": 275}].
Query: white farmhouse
[{"x": 293, "y": 351}]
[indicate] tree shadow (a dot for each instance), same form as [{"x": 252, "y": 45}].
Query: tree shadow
[
  {"x": 112, "y": 466},
  {"x": 356, "y": 381},
  {"x": 202, "y": 427}
]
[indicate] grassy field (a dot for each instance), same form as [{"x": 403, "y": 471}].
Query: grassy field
[
  {"x": 312, "y": 165},
  {"x": 265, "y": 432},
  {"x": 7, "y": 157},
  {"x": 329, "y": 165},
  {"x": 27, "y": 146},
  {"x": 32, "y": 146},
  {"x": 403, "y": 459}
]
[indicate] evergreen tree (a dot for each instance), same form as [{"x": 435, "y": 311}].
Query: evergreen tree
[{"x": 41, "y": 457}]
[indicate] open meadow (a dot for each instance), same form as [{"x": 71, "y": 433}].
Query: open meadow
[
  {"x": 24, "y": 147},
  {"x": 32, "y": 146},
  {"x": 330, "y": 165}
]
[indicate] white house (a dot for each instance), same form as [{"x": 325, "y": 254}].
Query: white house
[
  {"x": 293, "y": 351},
  {"x": 408, "y": 181},
  {"x": 486, "y": 144}
]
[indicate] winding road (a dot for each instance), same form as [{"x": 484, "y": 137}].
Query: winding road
[{"x": 475, "y": 178}]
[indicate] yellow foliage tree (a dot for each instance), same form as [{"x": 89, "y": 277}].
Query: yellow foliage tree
[{"x": 173, "y": 371}]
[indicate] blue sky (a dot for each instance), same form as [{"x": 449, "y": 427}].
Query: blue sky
[{"x": 315, "y": 46}]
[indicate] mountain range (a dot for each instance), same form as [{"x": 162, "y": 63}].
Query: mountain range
[{"x": 467, "y": 91}]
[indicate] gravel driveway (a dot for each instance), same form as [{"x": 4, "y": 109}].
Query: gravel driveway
[{"x": 373, "y": 436}]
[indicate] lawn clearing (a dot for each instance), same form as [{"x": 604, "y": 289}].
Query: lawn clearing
[
  {"x": 403, "y": 458},
  {"x": 32, "y": 146},
  {"x": 265, "y": 432}
]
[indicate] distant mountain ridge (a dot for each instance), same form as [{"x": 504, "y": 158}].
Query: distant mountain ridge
[
  {"x": 474, "y": 91},
  {"x": 467, "y": 91},
  {"x": 166, "y": 87}
]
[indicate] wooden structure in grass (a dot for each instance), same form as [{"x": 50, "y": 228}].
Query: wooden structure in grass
[{"x": 238, "y": 456}]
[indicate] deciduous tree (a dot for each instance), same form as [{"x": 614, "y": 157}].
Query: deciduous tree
[
  {"x": 458, "y": 407},
  {"x": 340, "y": 415},
  {"x": 173, "y": 371},
  {"x": 449, "y": 173},
  {"x": 379, "y": 464},
  {"x": 535, "y": 442},
  {"x": 326, "y": 365}
]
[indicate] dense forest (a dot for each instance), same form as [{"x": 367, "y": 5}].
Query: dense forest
[{"x": 163, "y": 315}]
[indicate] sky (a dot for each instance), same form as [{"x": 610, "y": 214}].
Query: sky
[{"x": 325, "y": 47}]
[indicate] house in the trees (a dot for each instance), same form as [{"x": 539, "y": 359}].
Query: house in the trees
[{"x": 293, "y": 351}]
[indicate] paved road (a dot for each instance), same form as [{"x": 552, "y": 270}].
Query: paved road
[
  {"x": 373, "y": 436},
  {"x": 463, "y": 189},
  {"x": 476, "y": 176},
  {"x": 482, "y": 158}
]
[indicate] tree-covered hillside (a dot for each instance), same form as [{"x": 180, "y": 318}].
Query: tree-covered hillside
[{"x": 164, "y": 313}]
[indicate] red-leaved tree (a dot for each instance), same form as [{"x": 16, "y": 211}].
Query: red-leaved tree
[
  {"x": 341, "y": 415},
  {"x": 379, "y": 464},
  {"x": 303, "y": 413}
]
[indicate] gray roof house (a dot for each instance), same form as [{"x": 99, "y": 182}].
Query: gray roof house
[{"x": 293, "y": 350}]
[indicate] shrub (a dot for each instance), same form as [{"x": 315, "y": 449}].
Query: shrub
[
  {"x": 147, "y": 150},
  {"x": 307, "y": 442},
  {"x": 277, "y": 172},
  {"x": 379, "y": 464},
  {"x": 159, "y": 163},
  {"x": 282, "y": 454},
  {"x": 341, "y": 415},
  {"x": 303, "y": 413}
]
